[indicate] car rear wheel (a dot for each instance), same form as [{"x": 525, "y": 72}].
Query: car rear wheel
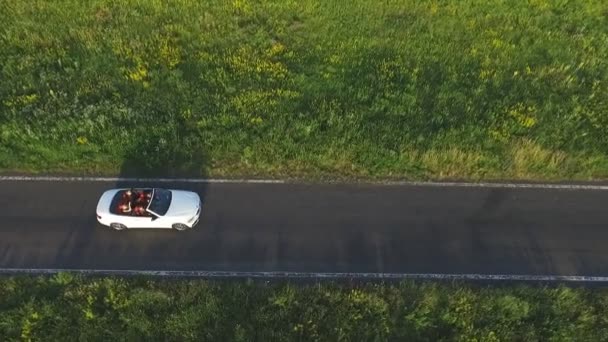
[
  {"x": 118, "y": 226},
  {"x": 180, "y": 227}
]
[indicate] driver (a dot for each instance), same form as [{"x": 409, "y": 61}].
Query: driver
[{"x": 139, "y": 210}]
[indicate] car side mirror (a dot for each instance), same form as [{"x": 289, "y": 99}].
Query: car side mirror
[{"x": 154, "y": 217}]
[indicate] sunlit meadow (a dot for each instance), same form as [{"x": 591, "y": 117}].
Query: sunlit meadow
[{"x": 394, "y": 89}]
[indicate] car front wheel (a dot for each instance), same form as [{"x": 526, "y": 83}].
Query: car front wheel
[
  {"x": 180, "y": 227},
  {"x": 118, "y": 226}
]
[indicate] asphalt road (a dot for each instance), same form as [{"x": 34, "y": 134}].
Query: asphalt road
[{"x": 317, "y": 228}]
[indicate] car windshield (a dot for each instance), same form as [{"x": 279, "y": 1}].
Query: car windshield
[{"x": 160, "y": 202}]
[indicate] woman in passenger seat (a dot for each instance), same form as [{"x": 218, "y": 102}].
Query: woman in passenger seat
[{"x": 125, "y": 208}]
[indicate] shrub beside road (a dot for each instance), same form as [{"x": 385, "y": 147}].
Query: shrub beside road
[{"x": 65, "y": 306}]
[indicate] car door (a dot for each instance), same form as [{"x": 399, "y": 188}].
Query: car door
[
  {"x": 149, "y": 222},
  {"x": 160, "y": 222},
  {"x": 139, "y": 222}
]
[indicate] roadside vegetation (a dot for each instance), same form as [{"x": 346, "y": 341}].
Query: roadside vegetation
[
  {"x": 65, "y": 307},
  {"x": 365, "y": 88}
]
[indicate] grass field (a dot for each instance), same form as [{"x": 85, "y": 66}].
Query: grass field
[
  {"x": 68, "y": 308},
  {"x": 395, "y": 89}
]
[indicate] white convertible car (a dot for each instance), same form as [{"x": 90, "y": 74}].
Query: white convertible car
[{"x": 149, "y": 208}]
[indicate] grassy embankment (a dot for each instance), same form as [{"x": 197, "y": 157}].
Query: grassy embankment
[
  {"x": 65, "y": 308},
  {"x": 411, "y": 89}
]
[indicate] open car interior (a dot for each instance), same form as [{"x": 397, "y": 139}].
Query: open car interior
[{"x": 133, "y": 202}]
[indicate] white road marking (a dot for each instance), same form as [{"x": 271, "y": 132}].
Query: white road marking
[
  {"x": 505, "y": 185},
  {"x": 306, "y": 275},
  {"x": 603, "y": 187},
  {"x": 135, "y": 180}
]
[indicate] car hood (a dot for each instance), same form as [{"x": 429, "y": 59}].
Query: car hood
[{"x": 183, "y": 203}]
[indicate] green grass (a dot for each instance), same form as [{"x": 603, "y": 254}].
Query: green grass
[
  {"x": 69, "y": 308},
  {"x": 359, "y": 89}
]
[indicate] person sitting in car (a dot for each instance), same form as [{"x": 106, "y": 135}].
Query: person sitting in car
[
  {"x": 137, "y": 197},
  {"x": 139, "y": 210},
  {"x": 126, "y": 196},
  {"x": 125, "y": 207}
]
